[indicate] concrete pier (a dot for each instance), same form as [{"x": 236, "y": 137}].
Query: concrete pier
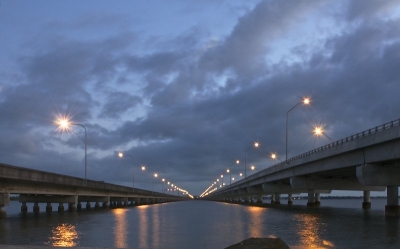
[
  {"x": 317, "y": 199},
  {"x": 4, "y": 201},
  {"x": 24, "y": 207},
  {"x": 49, "y": 208},
  {"x": 290, "y": 199},
  {"x": 367, "y": 200},
  {"x": 392, "y": 208},
  {"x": 311, "y": 198},
  {"x": 60, "y": 207},
  {"x": 36, "y": 208},
  {"x": 277, "y": 199},
  {"x": 71, "y": 207}
]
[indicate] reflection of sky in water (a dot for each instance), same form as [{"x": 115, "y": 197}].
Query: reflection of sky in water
[
  {"x": 120, "y": 229},
  {"x": 63, "y": 235}
]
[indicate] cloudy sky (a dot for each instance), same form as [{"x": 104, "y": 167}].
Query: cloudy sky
[{"x": 186, "y": 86}]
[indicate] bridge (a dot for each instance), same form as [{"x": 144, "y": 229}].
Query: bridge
[
  {"x": 34, "y": 186},
  {"x": 367, "y": 161}
]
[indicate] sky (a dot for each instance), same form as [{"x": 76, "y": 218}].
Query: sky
[{"x": 185, "y": 87}]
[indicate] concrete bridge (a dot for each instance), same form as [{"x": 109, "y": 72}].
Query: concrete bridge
[
  {"x": 367, "y": 161},
  {"x": 34, "y": 186}
]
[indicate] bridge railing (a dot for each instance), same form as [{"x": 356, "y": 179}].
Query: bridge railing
[{"x": 347, "y": 139}]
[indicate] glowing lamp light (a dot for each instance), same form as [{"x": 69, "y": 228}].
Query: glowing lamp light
[{"x": 318, "y": 131}]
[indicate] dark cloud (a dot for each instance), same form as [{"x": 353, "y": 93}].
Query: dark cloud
[
  {"x": 200, "y": 101},
  {"x": 118, "y": 103}
]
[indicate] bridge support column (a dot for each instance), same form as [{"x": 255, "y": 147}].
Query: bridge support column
[
  {"x": 36, "y": 208},
  {"x": 290, "y": 199},
  {"x": 392, "y": 208},
  {"x": 105, "y": 204},
  {"x": 79, "y": 206},
  {"x": 60, "y": 207},
  {"x": 272, "y": 199},
  {"x": 71, "y": 207},
  {"x": 277, "y": 199},
  {"x": 367, "y": 200},
  {"x": 317, "y": 199},
  {"x": 4, "y": 201},
  {"x": 259, "y": 199},
  {"x": 49, "y": 208},
  {"x": 97, "y": 205},
  {"x": 24, "y": 207},
  {"x": 311, "y": 198},
  {"x": 87, "y": 205}
]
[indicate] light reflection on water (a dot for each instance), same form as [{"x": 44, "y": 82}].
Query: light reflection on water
[
  {"x": 310, "y": 228},
  {"x": 64, "y": 235},
  {"x": 254, "y": 224},
  {"x": 204, "y": 224},
  {"x": 120, "y": 229}
]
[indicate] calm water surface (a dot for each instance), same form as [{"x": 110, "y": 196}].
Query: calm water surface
[{"x": 204, "y": 224}]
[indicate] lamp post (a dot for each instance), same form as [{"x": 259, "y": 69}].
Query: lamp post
[
  {"x": 245, "y": 157},
  {"x": 222, "y": 179},
  {"x": 230, "y": 171},
  {"x": 152, "y": 183},
  {"x": 64, "y": 124},
  {"x": 163, "y": 182},
  {"x": 121, "y": 155},
  {"x": 305, "y": 101}
]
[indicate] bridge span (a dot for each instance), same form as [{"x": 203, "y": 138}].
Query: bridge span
[
  {"x": 34, "y": 186},
  {"x": 367, "y": 161}
]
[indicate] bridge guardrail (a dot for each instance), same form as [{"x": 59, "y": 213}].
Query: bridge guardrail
[{"x": 376, "y": 129}]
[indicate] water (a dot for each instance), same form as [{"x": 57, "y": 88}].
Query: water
[{"x": 205, "y": 224}]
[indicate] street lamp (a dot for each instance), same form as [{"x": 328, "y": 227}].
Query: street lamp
[
  {"x": 304, "y": 101},
  {"x": 222, "y": 179},
  {"x": 274, "y": 156},
  {"x": 319, "y": 131},
  {"x": 121, "y": 155},
  {"x": 64, "y": 124},
  {"x": 163, "y": 182},
  {"x": 256, "y": 144}
]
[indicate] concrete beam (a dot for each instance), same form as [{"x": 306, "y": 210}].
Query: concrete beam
[
  {"x": 254, "y": 190},
  {"x": 273, "y": 188},
  {"x": 93, "y": 198},
  {"x": 379, "y": 175},
  {"x": 47, "y": 198},
  {"x": 242, "y": 191},
  {"x": 336, "y": 184}
]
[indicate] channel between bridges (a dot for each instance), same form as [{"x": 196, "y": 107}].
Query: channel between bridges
[
  {"x": 34, "y": 186},
  {"x": 367, "y": 161}
]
